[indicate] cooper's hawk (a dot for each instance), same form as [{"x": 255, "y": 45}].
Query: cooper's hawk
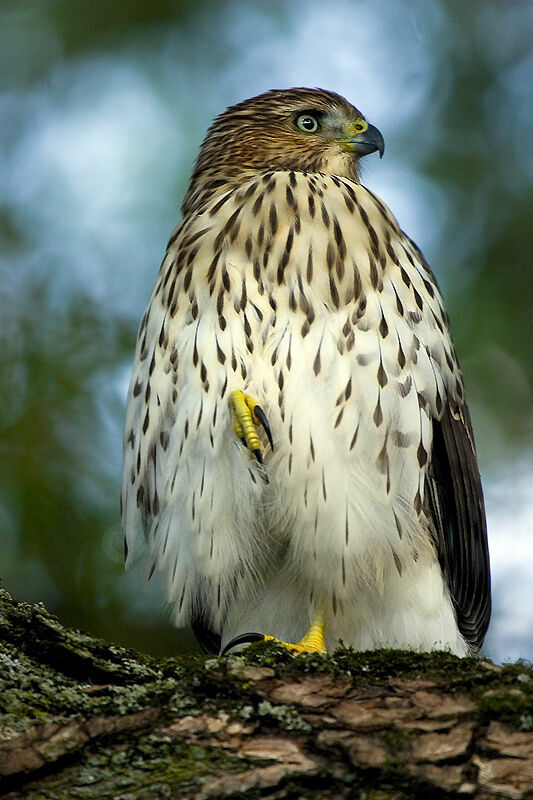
[{"x": 298, "y": 450}]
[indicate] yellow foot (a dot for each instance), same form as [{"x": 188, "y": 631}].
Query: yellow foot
[
  {"x": 247, "y": 413},
  {"x": 312, "y": 642}
]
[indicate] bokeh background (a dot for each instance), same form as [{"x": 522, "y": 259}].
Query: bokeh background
[{"x": 102, "y": 109}]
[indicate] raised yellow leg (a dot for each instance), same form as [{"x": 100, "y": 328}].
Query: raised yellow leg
[{"x": 247, "y": 413}]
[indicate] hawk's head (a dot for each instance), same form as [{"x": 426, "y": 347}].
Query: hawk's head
[{"x": 294, "y": 129}]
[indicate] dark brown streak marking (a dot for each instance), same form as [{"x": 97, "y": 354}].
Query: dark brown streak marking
[
  {"x": 330, "y": 256},
  {"x": 350, "y": 205},
  {"x": 405, "y": 277},
  {"x": 146, "y": 420},
  {"x": 421, "y": 455},
  {"x": 244, "y": 296},
  {"x": 418, "y": 299},
  {"x": 258, "y": 311},
  {"x": 257, "y": 205},
  {"x": 401, "y": 355},
  {"x": 429, "y": 287},
  {"x": 399, "y": 304},
  {"x": 405, "y": 387},
  {"x": 316, "y": 362},
  {"x": 309, "y": 271},
  {"x": 339, "y": 238},
  {"x": 273, "y": 219},
  {"x": 382, "y": 375},
  {"x": 224, "y": 387},
  {"x": 248, "y": 247},
  {"x": 288, "y": 360},
  {"x": 285, "y": 257},
  {"x": 271, "y": 185},
  {"x": 220, "y": 301},
  {"x": 171, "y": 291},
  {"x": 392, "y": 255},
  {"x": 187, "y": 279},
  {"x": 346, "y": 529},
  {"x": 334, "y": 291},
  {"x": 438, "y": 323},
  {"x": 409, "y": 256},
  {"x": 216, "y": 208},
  {"x": 354, "y": 437},
  {"x": 195, "y": 349},
  {"x": 290, "y": 198},
  {"x": 225, "y": 279},
  {"x": 378, "y": 413},
  {"x": 374, "y": 278}
]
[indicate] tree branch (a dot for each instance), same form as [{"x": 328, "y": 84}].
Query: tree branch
[{"x": 79, "y": 718}]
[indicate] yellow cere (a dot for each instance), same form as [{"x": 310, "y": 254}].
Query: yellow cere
[{"x": 359, "y": 126}]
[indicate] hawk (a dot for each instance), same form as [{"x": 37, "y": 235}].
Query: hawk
[{"x": 298, "y": 452}]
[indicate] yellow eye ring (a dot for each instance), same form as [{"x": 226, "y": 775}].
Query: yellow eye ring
[{"x": 307, "y": 123}]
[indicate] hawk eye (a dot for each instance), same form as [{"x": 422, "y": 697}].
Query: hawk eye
[{"x": 307, "y": 123}]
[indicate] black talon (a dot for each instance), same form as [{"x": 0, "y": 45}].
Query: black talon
[
  {"x": 257, "y": 454},
  {"x": 261, "y": 416},
  {"x": 243, "y": 638}
]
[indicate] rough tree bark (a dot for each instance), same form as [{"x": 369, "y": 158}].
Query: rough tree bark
[{"x": 83, "y": 719}]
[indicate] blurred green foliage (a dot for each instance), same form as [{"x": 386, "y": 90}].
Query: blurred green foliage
[{"x": 65, "y": 352}]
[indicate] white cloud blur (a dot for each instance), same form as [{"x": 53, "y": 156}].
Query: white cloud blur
[{"x": 509, "y": 502}]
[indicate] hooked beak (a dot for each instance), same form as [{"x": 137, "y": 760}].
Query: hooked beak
[{"x": 367, "y": 142}]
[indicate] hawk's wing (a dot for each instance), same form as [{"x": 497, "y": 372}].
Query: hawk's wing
[{"x": 455, "y": 501}]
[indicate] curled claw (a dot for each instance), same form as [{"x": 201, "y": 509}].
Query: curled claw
[
  {"x": 262, "y": 419},
  {"x": 243, "y": 638}
]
